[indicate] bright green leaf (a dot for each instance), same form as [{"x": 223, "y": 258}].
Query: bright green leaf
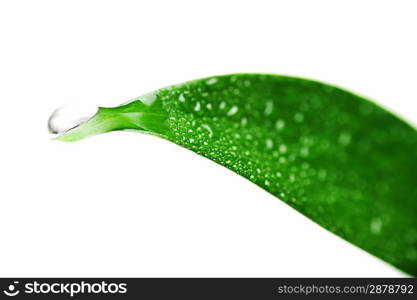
[{"x": 337, "y": 158}]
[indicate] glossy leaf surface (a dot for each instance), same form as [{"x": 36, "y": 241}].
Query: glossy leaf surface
[{"x": 337, "y": 158}]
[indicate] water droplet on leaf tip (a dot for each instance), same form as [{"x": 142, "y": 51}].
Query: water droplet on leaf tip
[{"x": 70, "y": 116}]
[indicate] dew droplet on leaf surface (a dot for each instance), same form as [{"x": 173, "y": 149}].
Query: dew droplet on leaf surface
[
  {"x": 233, "y": 110},
  {"x": 211, "y": 81}
]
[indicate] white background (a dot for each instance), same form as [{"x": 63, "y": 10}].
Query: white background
[{"x": 126, "y": 204}]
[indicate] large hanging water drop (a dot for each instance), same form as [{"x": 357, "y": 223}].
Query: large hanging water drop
[{"x": 70, "y": 116}]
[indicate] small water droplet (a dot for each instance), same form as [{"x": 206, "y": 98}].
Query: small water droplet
[
  {"x": 197, "y": 106},
  {"x": 322, "y": 174},
  {"x": 233, "y": 110},
  {"x": 269, "y": 143},
  {"x": 222, "y": 105},
  {"x": 209, "y": 107},
  {"x": 282, "y": 148},
  {"x": 244, "y": 121},
  {"x": 344, "y": 138},
  {"x": 280, "y": 124},
  {"x": 211, "y": 81},
  {"x": 269, "y": 107},
  {"x": 304, "y": 151},
  {"x": 376, "y": 225},
  {"x": 299, "y": 117},
  {"x": 181, "y": 98},
  {"x": 208, "y": 128}
]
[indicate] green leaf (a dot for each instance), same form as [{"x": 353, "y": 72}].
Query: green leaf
[{"x": 342, "y": 161}]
